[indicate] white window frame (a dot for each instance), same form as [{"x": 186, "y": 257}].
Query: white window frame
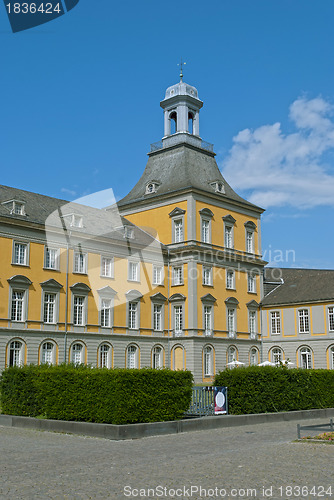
[
  {"x": 83, "y": 308},
  {"x": 229, "y": 236},
  {"x": 303, "y": 320},
  {"x": 331, "y": 353},
  {"x": 232, "y": 354},
  {"x": 106, "y": 306},
  {"x": 133, "y": 314},
  {"x": 275, "y": 323},
  {"x": 177, "y": 279},
  {"x": 230, "y": 279},
  {"x": 16, "y": 350},
  {"x": 19, "y": 258},
  {"x": 331, "y": 319},
  {"x": 158, "y": 275},
  {"x": 231, "y": 321},
  {"x": 178, "y": 320},
  {"x": 178, "y": 230},
  {"x": 251, "y": 283},
  {"x": 157, "y": 357},
  {"x": 133, "y": 271},
  {"x": 80, "y": 263},
  {"x": 207, "y": 275},
  {"x": 51, "y": 263},
  {"x": 47, "y": 352},
  {"x": 74, "y": 349},
  {"x": 105, "y": 355},
  {"x": 208, "y": 362},
  {"x": 277, "y": 355},
  {"x": 253, "y": 356},
  {"x": 305, "y": 354},
  {"x": 249, "y": 241},
  {"x": 107, "y": 267},
  {"x": 129, "y": 232},
  {"x": 208, "y": 319},
  {"x": 252, "y": 323},
  {"x": 158, "y": 317},
  {"x": 132, "y": 356},
  {"x": 205, "y": 230},
  {"x": 51, "y": 318},
  {"x": 18, "y": 299}
]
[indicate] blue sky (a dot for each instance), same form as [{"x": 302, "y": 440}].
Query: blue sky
[{"x": 80, "y": 104}]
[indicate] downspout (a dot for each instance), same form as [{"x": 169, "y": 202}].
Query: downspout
[
  {"x": 66, "y": 298},
  {"x": 168, "y": 311}
]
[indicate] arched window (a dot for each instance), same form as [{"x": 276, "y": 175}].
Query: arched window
[
  {"x": 132, "y": 357},
  {"x": 232, "y": 354},
  {"x": 190, "y": 123},
  {"x": 331, "y": 357},
  {"x": 253, "y": 356},
  {"x": 157, "y": 357},
  {"x": 208, "y": 361},
  {"x": 105, "y": 352},
  {"x": 15, "y": 353},
  {"x": 277, "y": 355},
  {"x": 77, "y": 354},
  {"x": 47, "y": 353},
  {"x": 173, "y": 120},
  {"x": 305, "y": 358}
]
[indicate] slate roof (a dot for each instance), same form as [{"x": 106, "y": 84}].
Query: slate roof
[
  {"x": 55, "y": 213},
  {"x": 177, "y": 168},
  {"x": 289, "y": 286}
]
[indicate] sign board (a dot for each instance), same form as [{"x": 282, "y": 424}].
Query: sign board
[{"x": 220, "y": 400}]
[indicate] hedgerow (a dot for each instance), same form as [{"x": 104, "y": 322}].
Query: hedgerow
[
  {"x": 81, "y": 393},
  {"x": 273, "y": 389}
]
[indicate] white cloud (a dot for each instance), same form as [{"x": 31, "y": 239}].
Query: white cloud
[{"x": 277, "y": 169}]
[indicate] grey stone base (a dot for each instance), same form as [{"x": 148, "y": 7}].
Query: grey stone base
[{"x": 135, "y": 431}]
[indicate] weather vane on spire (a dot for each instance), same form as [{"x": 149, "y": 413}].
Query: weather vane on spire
[{"x": 181, "y": 64}]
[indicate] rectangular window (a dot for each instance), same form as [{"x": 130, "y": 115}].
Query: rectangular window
[
  {"x": 252, "y": 322},
  {"x": 51, "y": 258},
  {"x": 106, "y": 312},
  {"x": 230, "y": 279},
  {"x": 80, "y": 263},
  {"x": 157, "y": 275},
  {"x": 207, "y": 276},
  {"x": 129, "y": 232},
  {"x": 250, "y": 242},
  {"x": 132, "y": 356},
  {"x": 78, "y": 310},
  {"x": 228, "y": 237},
  {"x": 275, "y": 323},
  {"x": 251, "y": 283},
  {"x": 177, "y": 275},
  {"x": 178, "y": 320},
  {"x": 157, "y": 317},
  {"x": 205, "y": 231},
  {"x": 207, "y": 320},
  {"x": 20, "y": 254},
  {"x": 231, "y": 322},
  {"x": 304, "y": 326},
  {"x": 49, "y": 307},
  {"x": 133, "y": 315},
  {"x": 107, "y": 267},
  {"x": 17, "y": 305},
  {"x": 18, "y": 208},
  {"x": 331, "y": 318},
  {"x": 133, "y": 271},
  {"x": 178, "y": 231}
]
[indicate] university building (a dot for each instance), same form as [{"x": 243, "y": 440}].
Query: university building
[{"x": 170, "y": 277}]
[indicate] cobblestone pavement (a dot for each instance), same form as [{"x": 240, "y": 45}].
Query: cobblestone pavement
[{"x": 224, "y": 463}]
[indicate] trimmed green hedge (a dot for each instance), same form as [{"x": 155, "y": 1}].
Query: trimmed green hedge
[
  {"x": 82, "y": 393},
  {"x": 269, "y": 389}
]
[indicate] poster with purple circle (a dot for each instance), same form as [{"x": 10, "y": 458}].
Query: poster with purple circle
[
  {"x": 27, "y": 14},
  {"x": 220, "y": 395}
]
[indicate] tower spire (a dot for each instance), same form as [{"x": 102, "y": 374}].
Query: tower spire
[{"x": 181, "y": 64}]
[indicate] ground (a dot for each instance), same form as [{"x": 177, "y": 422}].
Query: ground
[{"x": 42, "y": 465}]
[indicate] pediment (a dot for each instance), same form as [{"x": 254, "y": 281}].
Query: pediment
[
  {"x": 177, "y": 297},
  {"x": 52, "y": 284},
  {"x": 80, "y": 287},
  {"x": 250, "y": 225},
  {"x": 229, "y": 219},
  {"x": 231, "y": 301},
  {"x": 158, "y": 297},
  {"x": 176, "y": 212},
  {"x": 133, "y": 295},
  {"x": 18, "y": 279},
  {"x": 208, "y": 298},
  {"x": 252, "y": 304},
  {"x": 206, "y": 212},
  {"x": 107, "y": 291}
]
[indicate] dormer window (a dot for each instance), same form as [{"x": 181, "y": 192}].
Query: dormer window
[
  {"x": 218, "y": 186},
  {"x": 76, "y": 221},
  {"x": 129, "y": 232},
  {"x": 152, "y": 187},
  {"x": 16, "y": 207}
]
